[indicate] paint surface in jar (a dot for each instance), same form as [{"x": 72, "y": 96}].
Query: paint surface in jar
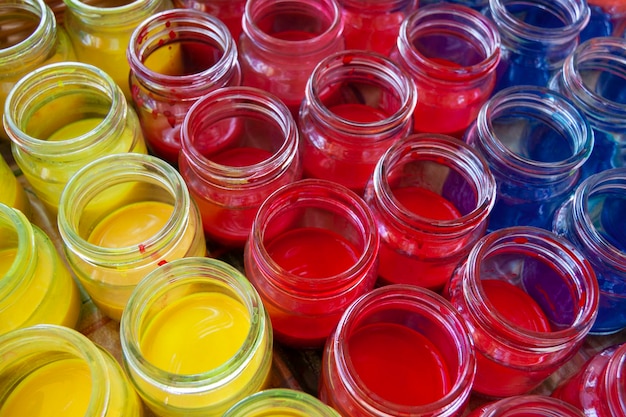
[
  {"x": 75, "y": 129},
  {"x": 515, "y": 305},
  {"x": 360, "y": 113},
  {"x": 60, "y": 388},
  {"x": 131, "y": 224},
  {"x": 196, "y": 333},
  {"x": 426, "y": 203},
  {"x": 240, "y": 157},
  {"x": 313, "y": 252},
  {"x": 399, "y": 364}
]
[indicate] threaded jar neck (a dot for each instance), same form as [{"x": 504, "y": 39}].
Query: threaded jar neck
[{"x": 113, "y": 15}]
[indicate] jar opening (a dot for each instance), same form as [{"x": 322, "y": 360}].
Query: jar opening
[{"x": 18, "y": 22}]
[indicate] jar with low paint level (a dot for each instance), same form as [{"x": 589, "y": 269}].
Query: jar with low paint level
[
  {"x": 401, "y": 351},
  {"x": 196, "y": 338},
  {"x": 529, "y": 298},
  {"x": 313, "y": 249},
  {"x": 176, "y": 57},
  {"x": 282, "y": 42},
  {"x": 598, "y": 389},
  {"x": 593, "y": 220},
  {"x": 357, "y": 104},
  {"x": 31, "y": 38},
  {"x": 62, "y": 116},
  {"x": 451, "y": 51},
  {"x": 239, "y": 144},
  {"x": 431, "y": 196},
  {"x": 35, "y": 284},
  {"x": 52, "y": 371},
  {"x": 122, "y": 216},
  {"x": 535, "y": 141},
  {"x": 280, "y": 401},
  {"x": 100, "y": 32}
]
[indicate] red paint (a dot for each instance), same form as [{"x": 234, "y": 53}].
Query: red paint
[
  {"x": 294, "y": 35},
  {"x": 360, "y": 113},
  {"x": 239, "y": 157},
  {"x": 426, "y": 203},
  {"x": 371, "y": 31},
  {"x": 399, "y": 364},
  {"x": 515, "y": 305},
  {"x": 312, "y": 252}
]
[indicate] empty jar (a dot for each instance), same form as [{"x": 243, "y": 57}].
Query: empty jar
[
  {"x": 357, "y": 105},
  {"x": 176, "y": 57},
  {"x": 62, "y": 116},
  {"x": 313, "y": 249},
  {"x": 593, "y": 221},
  {"x": 431, "y": 196},
  {"x": 535, "y": 142},
  {"x": 401, "y": 351},
  {"x": 196, "y": 338},
  {"x": 122, "y": 216},
  {"x": 283, "y": 41},
  {"x": 529, "y": 299},
  {"x": 451, "y": 51}
]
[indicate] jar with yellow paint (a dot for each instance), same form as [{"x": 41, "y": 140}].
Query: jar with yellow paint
[
  {"x": 30, "y": 38},
  {"x": 281, "y": 402},
  {"x": 121, "y": 217},
  {"x": 62, "y": 116},
  {"x": 196, "y": 338},
  {"x": 35, "y": 285},
  {"x": 51, "y": 371},
  {"x": 13, "y": 194},
  {"x": 100, "y": 32}
]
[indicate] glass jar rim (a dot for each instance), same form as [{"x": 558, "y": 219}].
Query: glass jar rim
[
  {"x": 286, "y": 398},
  {"x": 539, "y": 405},
  {"x": 41, "y": 35},
  {"x": 114, "y": 16},
  {"x": 18, "y": 272}
]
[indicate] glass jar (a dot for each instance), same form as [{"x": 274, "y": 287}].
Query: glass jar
[
  {"x": 13, "y": 194},
  {"x": 373, "y": 25},
  {"x": 122, "y": 216},
  {"x": 61, "y": 117},
  {"x": 593, "y": 221},
  {"x": 526, "y": 406},
  {"x": 535, "y": 141},
  {"x": 529, "y": 299},
  {"x": 282, "y": 42},
  {"x": 597, "y": 389},
  {"x": 280, "y": 402},
  {"x": 401, "y": 351},
  {"x": 228, "y": 11},
  {"x": 313, "y": 250},
  {"x": 431, "y": 196},
  {"x": 451, "y": 51},
  {"x": 176, "y": 57},
  {"x": 100, "y": 32},
  {"x": 30, "y": 39},
  {"x": 593, "y": 77},
  {"x": 357, "y": 104},
  {"x": 239, "y": 144},
  {"x": 537, "y": 36},
  {"x": 35, "y": 285},
  {"x": 49, "y": 370},
  {"x": 196, "y": 338}
]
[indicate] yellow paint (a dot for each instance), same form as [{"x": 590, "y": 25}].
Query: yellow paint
[
  {"x": 13, "y": 194},
  {"x": 50, "y": 296},
  {"x": 60, "y": 388},
  {"x": 130, "y": 226},
  {"x": 75, "y": 129},
  {"x": 196, "y": 334}
]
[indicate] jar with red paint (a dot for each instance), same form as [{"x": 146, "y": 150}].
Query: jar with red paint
[
  {"x": 373, "y": 25},
  {"x": 598, "y": 387},
  {"x": 282, "y": 42},
  {"x": 431, "y": 196},
  {"x": 228, "y": 11},
  {"x": 313, "y": 250},
  {"x": 593, "y": 220},
  {"x": 176, "y": 57},
  {"x": 526, "y": 406},
  {"x": 452, "y": 52},
  {"x": 400, "y": 351},
  {"x": 529, "y": 298},
  {"x": 239, "y": 144},
  {"x": 357, "y": 104}
]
